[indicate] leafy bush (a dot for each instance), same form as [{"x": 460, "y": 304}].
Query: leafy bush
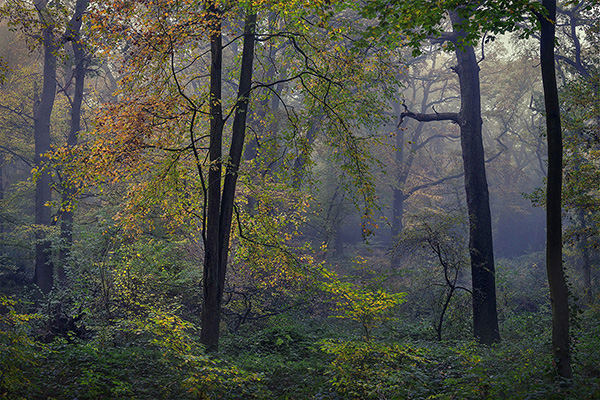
[
  {"x": 373, "y": 370},
  {"x": 153, "y": 355},
  {"x": 366, "y": 303},
  {"x": 283, "y": 354},
  {"x": 18, "y": 352}
]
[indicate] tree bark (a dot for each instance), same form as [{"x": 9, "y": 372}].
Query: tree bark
[
  {"x": 404, "y": 164},
  {"x": 2, "y": 186},
  {"x": 586, "y": 262},
  {"x": 211, "y": 309},
  {"x": 220, "y": 204},
  {"x": 66, "y": 226},
  {"x": 556, "y": 278},
  {"x": 44, "y": 269},
  {"x": 399, "y": 185},
  {"x": 485, "y": 316}
]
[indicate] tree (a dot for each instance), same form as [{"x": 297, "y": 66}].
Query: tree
[
  {"x": 559, "y": 292},
  {"x": 45, "y": 25},
  {"x": 44, "y": 269},
  {"x": 409, "y": 142},
  {"x": 80, "y": 61},
  {"x": 485, "y": 317},
  {"x": 578, "y": 63},
  {"x": 435, "y": 239},
  {"x": 219, "y": 214},
  {"x": 150, "y": 136}
]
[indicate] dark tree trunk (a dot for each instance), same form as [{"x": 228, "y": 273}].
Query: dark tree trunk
[
  {"x": 556, "y": 277},
  {"x": 586, "y": 263},
  {"x": 259, "y": 122},
  {"x": 485, "y": 316},
  {"x": 42, "y": 112},
  {"x": 66, "y": 226},
  {"x": 212, "y": 300},
  {"x": 2, "y": 185},
  {"x": 401, "y": 177},
  {"x": 220, "y": 205}
]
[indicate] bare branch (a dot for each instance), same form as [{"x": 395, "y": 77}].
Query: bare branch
[{"x": 429, "y": 117}]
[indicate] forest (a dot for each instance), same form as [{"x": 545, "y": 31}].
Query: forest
[{"x": 294, "y": 199}]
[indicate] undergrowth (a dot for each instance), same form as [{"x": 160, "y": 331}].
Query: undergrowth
[{"x": 291, "y": 357}]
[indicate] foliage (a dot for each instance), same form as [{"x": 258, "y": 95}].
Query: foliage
[
  {"x": 582, "y": 151},
  {"x": 18, "y": 352},
  {"x": 373, "y": 370},
  {"x": 155, "y": 357},
  {"x": 284, "y": 351},
  {"x": 521, "y": 287},
  {"x": 125, "y": 322},
  {"x": 365, "y": 302},
  {"x": 433, "y": 264},
  {"x": 413, "y": 22}
]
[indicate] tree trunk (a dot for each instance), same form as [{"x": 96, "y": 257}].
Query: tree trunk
[
  {"x": 42, "y": 112},
  {"x": 2, "y": 187},
  {"x": 212, "y": 301},
  {"x": 586, "y": 263},
  {"x": 258, "y": 121},
  {"x": 554, "y": 267},
  {"x": 401, "y": 177},
  {"x": 66, "y": 226},
  {"x": 220, "y": 205},
  {"x": 485, "y": 317}
]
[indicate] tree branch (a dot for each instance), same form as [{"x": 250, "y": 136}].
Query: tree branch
[{"x": 428, "y": 117}]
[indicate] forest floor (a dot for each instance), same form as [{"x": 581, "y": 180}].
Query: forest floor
[{"x": 295, "y": 357}]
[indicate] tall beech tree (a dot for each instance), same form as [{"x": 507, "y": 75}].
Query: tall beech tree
[
  {"x": 80, "y": 64},
  {"x": 44, "y": 269},
  {"x": 219, "y": 211},
  {"x": 395, "y": 23},
  {"x": 485, "y": 316},
  {"x": 559, "y": 292},
  {"x": 46, "y": 24},
  {"x": 182, "y": 73},
  {"x": 413, "y": 22},
  {"x": 488, "y": 16}
]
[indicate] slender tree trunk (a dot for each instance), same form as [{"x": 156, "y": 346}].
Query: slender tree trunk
[
  {"x": 237, "y": 144},
  {"x": 401, "y": 177},
  {"x": 2, "y": 187},
  {"x": 42, "y": 112},
  {"x": 259, "y": 122},
  {"x": 220, "y": 205},
  {"x": 66, "y": 226},
  {"x": 400, "y": 193},
  {"x": 556, "y": 278},
  {"x": 404, "y": 164},
  {"x": 485, "y": 317},
  {"x": 440, "y": 323},
  {"x": 212, "y": 301},
  {"x": 586, "y": 264}
]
